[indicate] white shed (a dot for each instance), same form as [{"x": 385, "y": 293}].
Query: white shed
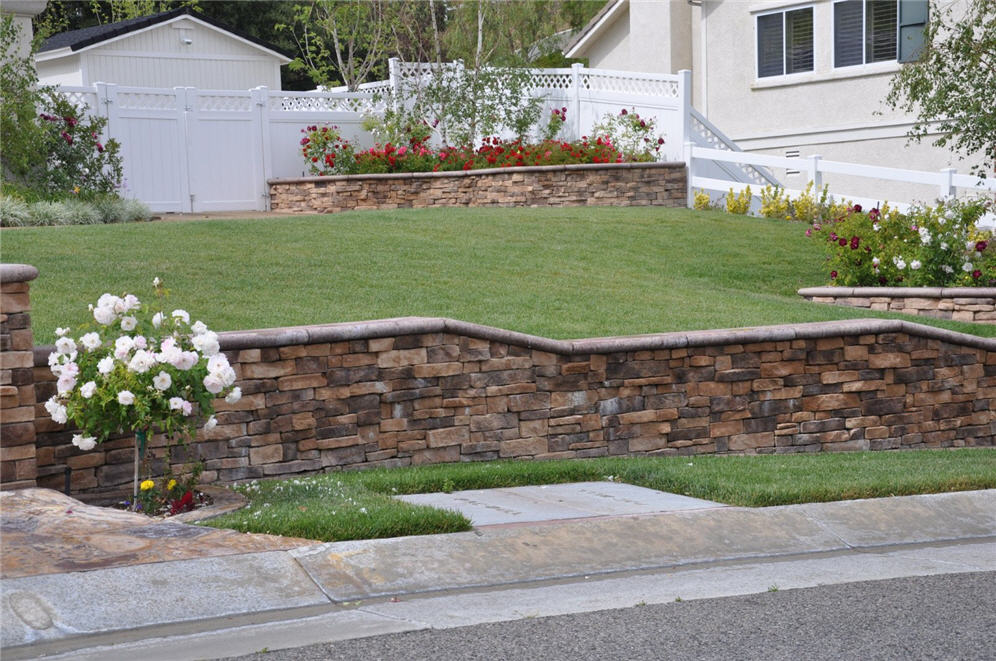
[{"x": 176, "y": 48}]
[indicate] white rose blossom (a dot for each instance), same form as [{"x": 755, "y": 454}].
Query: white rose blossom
[
  {"x": 59, "y": 332},
  {"x": 157, "y": 319},
  {"x": 65, "y": 383},
  {"x": 967, "y": 267},
  {"x": 175, "y": 403},
  {"x": 182, "y": 315},
  {"x": 104, "y": 315},
  {"x": 106, "y": 365},
  {"x": 141, "y": 362},
  {"x": 90, "y": 341},
  {"x": 156, "y": 282},
  {"x": 915, "y": 264},
  {"x": 56, "y": 410},
  {"x": 198, "y": 327},
  {"x": 234, "y": 396},
  {"x": 128, "y": 323},
  {"x": 162, "y": 381},
  {"x": 211, "y": 423},
  {"x": 65, "y": 345},
  {"x": 214, "y": 383},
  {"x": 206, "y": 343},
  {"x": 87, "y": 389},
  {"x": 84, "y": 442},
  {"x": 126, "y": 398}
]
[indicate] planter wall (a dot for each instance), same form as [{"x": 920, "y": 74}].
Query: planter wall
[
  {"x": 623, "y": 184},
  {"x": 17, "y": 391},
  {"x": 418, "y": 391},
  {"x": 976, "y": 304}
]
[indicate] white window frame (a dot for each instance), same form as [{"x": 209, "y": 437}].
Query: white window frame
[
  {"x": 864, "y": 39},
  {"x": 782, "y": 76}
]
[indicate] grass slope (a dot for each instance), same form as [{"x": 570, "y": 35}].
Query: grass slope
[{"x": 561, "y": 273}]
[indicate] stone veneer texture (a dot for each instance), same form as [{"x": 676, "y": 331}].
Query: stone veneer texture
[
  {"x": 426, "y": 390},
  {"x": 624, "y": 184},
  {"x": 17, "y": 392},
  {"x": 975, "y": 304}
]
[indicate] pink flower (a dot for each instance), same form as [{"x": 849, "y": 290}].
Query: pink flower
[
  {"x": 624, "y": 112},
  {"x": 68, "y": 138},
  {"x": 976, "y": 274},
  {"x": 402, "y": 150},
  {"x": 809, "y": 232},
  {"x": 305, "y": 141},
  {"x": 855, "y": 241},
  {"x": 842, "y": 241}
]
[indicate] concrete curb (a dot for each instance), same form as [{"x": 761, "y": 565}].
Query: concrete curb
[{"x": 62, "y": 607}]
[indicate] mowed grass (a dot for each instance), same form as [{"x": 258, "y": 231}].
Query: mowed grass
[
  {"x": 559, "y": 273},
  {"x": 359, "y": 504}
]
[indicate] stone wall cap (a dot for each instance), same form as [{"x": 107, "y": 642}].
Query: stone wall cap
[
  {"x": 480, "y": 172},
  {"x": 17, "y": 273},
  {"x": 901, "y": 292},
  {"x": 399, "y": 326}
]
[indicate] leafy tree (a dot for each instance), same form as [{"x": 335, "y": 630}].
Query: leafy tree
[
  {"x": 952, "y": 87},
  {"x": 50, "y": 148},
  {"x": 343, "y": 41}
]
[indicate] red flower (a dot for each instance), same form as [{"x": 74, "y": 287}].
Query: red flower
[
  {"x": 976, "y": 274},
  {"x": 833, "y": 275},
  {"x": 68, "y": 138},
  {"x": 305, "y": 141},
  {"x": 100, "y": 148},
  {"x": 980, "y": 246},
  {"x": 842, "y": 241},
  {"x": 874, "y": 214},
  {"x": 882, "y": 280},
  {"x": 857, "y": 208},
  {"x": 70, "y": 121},
  {"x": 854, "y": 242},
  {"x": 623, "y": 112}
]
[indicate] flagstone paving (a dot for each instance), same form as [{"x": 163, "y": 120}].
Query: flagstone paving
[{"x": 46, "y": 532}]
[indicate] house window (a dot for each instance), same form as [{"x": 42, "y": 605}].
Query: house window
[
  {"x": 864, "y": 31},
  {"x": 785, "y": 42}
]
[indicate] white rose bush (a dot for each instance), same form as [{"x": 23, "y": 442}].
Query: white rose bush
[{"x": 139, "y": 369}]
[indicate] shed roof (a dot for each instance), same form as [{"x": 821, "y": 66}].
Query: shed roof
[
  {"x": 76, "y": 40},
  {"x": 594, "y": 28}
]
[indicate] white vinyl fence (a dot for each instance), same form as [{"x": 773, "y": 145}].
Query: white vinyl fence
[
  {"x": 192, "y": 150},
  {"x": 947, "y": 182}
]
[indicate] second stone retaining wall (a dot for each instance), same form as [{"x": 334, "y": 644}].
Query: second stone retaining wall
[
  {"x": 616, "y": 184},
  {"x": 976, "y": 304}
]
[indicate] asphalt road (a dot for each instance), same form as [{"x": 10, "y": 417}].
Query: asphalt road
[{"x": 949, "y": 617}]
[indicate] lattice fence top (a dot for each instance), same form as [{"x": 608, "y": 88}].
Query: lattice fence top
[
  {"x": 81, "y": 98},
  {"x": 314, "y": 103},
  {"x": 146, "y": 100},
  {"x": 554, "y": 81},
  {"x": 636, "y": 85},
  {"x": 241, "y": 102}
]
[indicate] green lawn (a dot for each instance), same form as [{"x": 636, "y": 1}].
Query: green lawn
[
  {"x": 560, "y": 273},
  {"x": 358, "y": 504}
]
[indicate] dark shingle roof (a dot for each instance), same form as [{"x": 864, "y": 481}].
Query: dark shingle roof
[
  {"x": 77, "y": 39},
  {"x": 590, "y": 26}
]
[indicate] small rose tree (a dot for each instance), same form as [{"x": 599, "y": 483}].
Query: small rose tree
[{"x": 138, "y": 369}]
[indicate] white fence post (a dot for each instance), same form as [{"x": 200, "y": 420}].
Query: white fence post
[
  {"x": 261, "y": 103},
  {"x": 106, "y": 106},
  {"x": 815, "y": 174},
  {"x": 689, "y": 173},
  {"x": 394, "y": 76},
  {"x": 182, "y": 110},
  {"x": 685, "y": 105},
  {"x": 947, "y": 188},
  {"x": 576, "y": 71}
]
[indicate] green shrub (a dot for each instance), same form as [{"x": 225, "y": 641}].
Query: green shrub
[{"x": 14, "y": 212}]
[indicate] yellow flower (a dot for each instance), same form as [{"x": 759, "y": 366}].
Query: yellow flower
[
  {"x": 172, "y": 483},
  {"x": 146, "y": 485}
]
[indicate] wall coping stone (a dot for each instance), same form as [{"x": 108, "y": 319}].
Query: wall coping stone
[
  {"x": 17, "y": 272},
  {"x": 902, "y": 292},
  {"x": 359, "y": 330},
  {"x": 472, "y": 173}
]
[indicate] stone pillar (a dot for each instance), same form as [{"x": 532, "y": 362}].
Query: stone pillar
[{"x": 18, "y": 466}]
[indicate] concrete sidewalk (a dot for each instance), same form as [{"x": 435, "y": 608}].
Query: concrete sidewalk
[{"x": 315, "y": 588}]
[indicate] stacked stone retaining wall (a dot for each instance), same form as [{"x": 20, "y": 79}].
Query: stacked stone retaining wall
[
  {"x": 975, "y": 304},
  {"x": 623, "y": 184},
  {"x": 17, "y": 392},
  {"x": 426, "y": 390}
]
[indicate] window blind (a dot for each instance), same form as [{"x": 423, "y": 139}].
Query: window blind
[
  {"x": 880, "y": 30},
  {"x": 848, "y": 33},
  {"x": 770, "y": 54},
  {"x": 799, "y": 40}
]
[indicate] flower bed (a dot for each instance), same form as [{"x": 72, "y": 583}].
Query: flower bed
[
  {"x": 622, "y": 184},
  {"x": 977, "y": 304}
]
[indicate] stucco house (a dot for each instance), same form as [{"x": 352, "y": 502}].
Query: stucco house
[
  {"x": 171, "y": 49},
  {"x": 784, "y": 77}
]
